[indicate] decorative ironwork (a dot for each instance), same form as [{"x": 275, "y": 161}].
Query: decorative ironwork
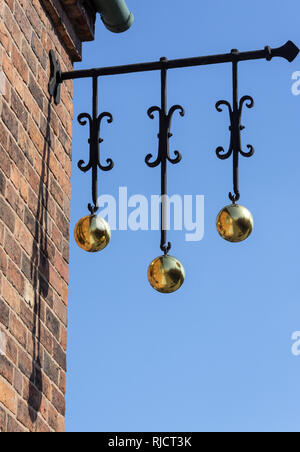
[
  {"x": 235, "y": 114},
  {"x": 163, "y": 155},
  {"x": 234, "y": 223},
  {"x": 288, "y": 51},
  {"x": 94, "y": 141}
]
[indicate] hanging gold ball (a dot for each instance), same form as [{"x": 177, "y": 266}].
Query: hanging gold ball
[
  {"x": 92, "y": 233},
  {"x": 166, "y": 274},
  {"x": 235, "y": 223}
]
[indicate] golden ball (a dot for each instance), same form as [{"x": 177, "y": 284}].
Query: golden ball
[
  {"x": 166, "y": 274},
  {"x": 235, "y": 223},
  {"x": 92, "y": 233}
]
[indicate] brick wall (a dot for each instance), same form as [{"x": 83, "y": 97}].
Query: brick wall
[{"x": 35, "y": 166}]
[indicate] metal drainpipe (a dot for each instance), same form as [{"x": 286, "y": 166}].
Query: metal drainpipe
[{"x": 114, "y": 14}]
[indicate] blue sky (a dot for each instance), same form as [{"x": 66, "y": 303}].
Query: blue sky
[{"x": 216, "y": 355}]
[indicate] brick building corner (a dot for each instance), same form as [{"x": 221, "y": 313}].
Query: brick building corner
[{"x": 35, "y": 167}]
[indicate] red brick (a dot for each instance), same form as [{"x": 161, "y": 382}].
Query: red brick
[
  {"x": 23, "y": 22},
  {"x": 41, "y": 426},
  {"x": 14, "y": 178},
  {"x": 55, "y": 280},
  {"x": 4, "y": 159},
  {"x": 62, "y": 223},
  {"x": 3, "y": 261},
  {"x": 8, "y": 396},
  {"x": 10, "y": 120},
  {"x": 39, "y": 50},
  {"x": 11, "y": 350},
  {"x": 11, "y": 4},
  {"x": 52, "y": 323},
  {"x": 1, "y": 233},
  {"x": 35, "y": 135},
  {"x": 7, "y": 215},
  {"x": 16, "y": 154},
  {"x": 63, "y": 337},
  {"x": 15, "y": 277},
  {"x": 59, "y": 355},
  {"x": 64, "y": 292},
  {"x": 23, "y": 236},
  {"x": 33, "y": 178},
  {"x": 6, "y": 369},
  {"x": 27, "y": 316},
  {"x": 58, "y": 401},
  {"x": 12, "y": 248},
  {"x": 4, "y": 313},
  {"x": 44, "y": 403},
  {"x": 13, "y": 426},
  {"x": 5, "y": 41},
  {"x": 35, "y": 397},
  {"x": 56, "y": 421},
  {"x": 46, "y": 339},
  {"x": 66, "y": 251},
  {"x": 56, "y": 237},
  {"x": 2, "y": 183},
  {"x": 18, "y": 330},
  {"x": 25, "y": 415},
  {"x": 23, "y": 188},
  {"x": 25, "y": 364},
  {"x": 36, "y": 91},
  {"x": 20, "y": 63},
  {"x": 35, "y": 169},
  {"x": 8, "y": 68},
  {"x": 57, "y": 193},
  {"x": 10, "y": 295},
  {"x": 12, "y": 26},
  {"x": 36, "y": 16},
  {"x": 3, "y": 418},
  {"x": 62, "y": 382},
  {"x": 51, "y": 369},
  {"x": 62, "y": 267},
  {"x": 60, "y": 310},
  {"x": 19, "y": 109},
  {"x": 18, "y": 381},
  {"x": 60, "y": 423}
]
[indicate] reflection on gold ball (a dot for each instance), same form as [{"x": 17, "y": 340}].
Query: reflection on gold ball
[
  {"x": 92, "y": 233},
  {"x": 166, "y": 274},
  {"x": 235, "y": 223}
]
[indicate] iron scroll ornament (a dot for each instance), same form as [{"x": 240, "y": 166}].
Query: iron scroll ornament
[
  {"x": 235, "y": 114},
  {"x": 164, "y": 136},
  {"x": 235, "y": 126},
  {"x": 235, "y": 146},
  {"x": 94, "y": 141},
  {"x": 163, "y": 156}
]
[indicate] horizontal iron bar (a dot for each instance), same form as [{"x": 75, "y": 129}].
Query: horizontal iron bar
[{"x": 289, "y": 51}]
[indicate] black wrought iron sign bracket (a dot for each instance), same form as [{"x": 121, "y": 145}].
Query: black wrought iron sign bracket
[{"x": 237, "y": 230}]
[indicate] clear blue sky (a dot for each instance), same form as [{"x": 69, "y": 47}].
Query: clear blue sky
[{"x": 215, "y": 356}]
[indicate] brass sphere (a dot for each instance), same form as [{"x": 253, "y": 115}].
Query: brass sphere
[
  {"x": 166, "y": 274},
  {"x": 235, "y": 223},
  {"x": 92, "y": 233}
]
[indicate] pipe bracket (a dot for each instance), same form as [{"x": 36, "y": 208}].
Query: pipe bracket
[{"x": 55, "y": 80}]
